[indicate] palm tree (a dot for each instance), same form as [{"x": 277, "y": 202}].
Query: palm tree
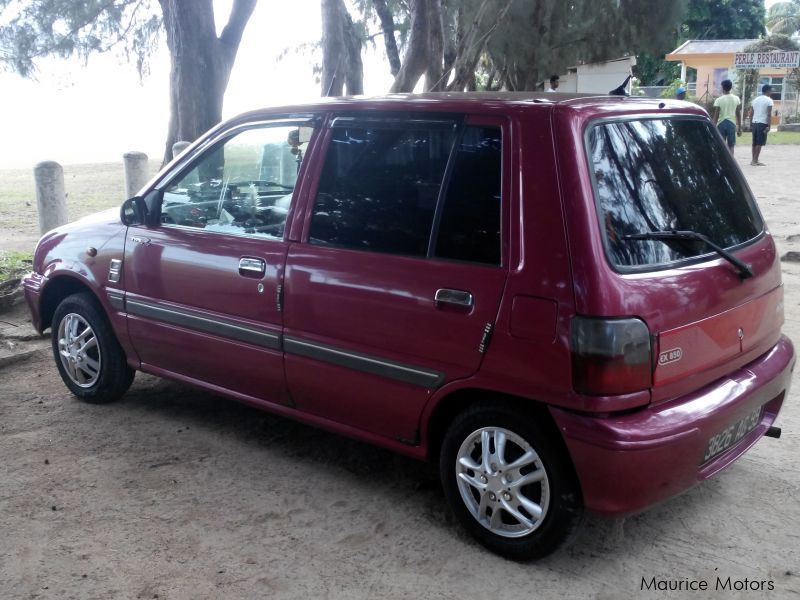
[{"x": 784, "y": 17}]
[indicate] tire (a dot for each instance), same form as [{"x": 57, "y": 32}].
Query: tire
[
  {"x": 87, "y": 353},
  {"x": 520, "y": 522}
]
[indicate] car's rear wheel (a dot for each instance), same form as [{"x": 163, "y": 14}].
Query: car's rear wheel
[
  {"x": 509, "y": 481},
  {"x": 87, "y": 353}
]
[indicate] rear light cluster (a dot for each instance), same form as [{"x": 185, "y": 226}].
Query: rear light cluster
[{"x": 610, "y": 356}]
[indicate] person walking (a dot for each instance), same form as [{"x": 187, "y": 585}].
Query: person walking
[
  {"x": 680, "y": 93},
  {"x": 728, "y": 115},
  {"x": 761, "y": 111}
]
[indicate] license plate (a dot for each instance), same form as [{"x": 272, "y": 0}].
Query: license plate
[{"x": 732, "y": 434}]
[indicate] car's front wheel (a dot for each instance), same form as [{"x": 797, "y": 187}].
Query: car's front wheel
[
  {"x": 87, "y": 353},
  {"x": 509, "y": 482}
]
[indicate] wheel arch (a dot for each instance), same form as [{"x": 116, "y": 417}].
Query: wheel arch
[
  {"x": 58, "y": 288},
  {"x": 457, "y": 401}
]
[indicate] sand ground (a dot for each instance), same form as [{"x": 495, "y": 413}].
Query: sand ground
[{"x": 174, "y": 493}]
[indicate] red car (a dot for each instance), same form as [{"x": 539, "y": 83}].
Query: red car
[{"x": 569, "y": 303}]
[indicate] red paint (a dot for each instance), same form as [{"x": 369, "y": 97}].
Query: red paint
[{"x": 629, "y": 450}]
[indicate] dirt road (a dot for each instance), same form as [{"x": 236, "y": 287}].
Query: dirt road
[{"x": 174, "y": 493}]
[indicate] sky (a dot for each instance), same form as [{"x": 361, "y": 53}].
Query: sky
[{"x": 76, "y": 112}]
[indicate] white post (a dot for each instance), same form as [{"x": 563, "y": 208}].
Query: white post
[
  {"x": 683, "y": 73},
  {"x": 783, "y": 97},
  {"x": 178, "y": 148},
  {"x": 136, "y": 172},
  {"x": 51, "y": 199}
]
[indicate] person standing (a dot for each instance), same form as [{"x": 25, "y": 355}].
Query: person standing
[
  {"x": 761, "y": 111},
  {"x": 553, "y": 83},
  {"x": 728, "y": 115}
]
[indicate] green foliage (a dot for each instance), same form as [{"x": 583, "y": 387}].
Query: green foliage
[
  {"x": 704, "y": 20},
  {"x": 652, "y": 69},
  {"x": 723, "y": 20},
  {"x": 14, "y": 264},
  {"x": 537, "y": 39},
  {"x": 672, "y": 89},
  {"x": 784, "y": 17},
  {"x": 370, "y": 24},
  {"x": 63, "y": 28}
]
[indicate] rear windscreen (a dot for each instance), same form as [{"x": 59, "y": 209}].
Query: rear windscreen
[{"x": 667, "y": 174}]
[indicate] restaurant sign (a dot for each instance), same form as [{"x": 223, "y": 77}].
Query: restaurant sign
[{"x": 763, "y": 60}]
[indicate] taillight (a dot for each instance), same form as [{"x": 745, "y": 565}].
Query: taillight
[{"x": 610, "y": 356}]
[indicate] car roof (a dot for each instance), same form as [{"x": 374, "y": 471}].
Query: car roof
[{"x": 470, "y": 101}]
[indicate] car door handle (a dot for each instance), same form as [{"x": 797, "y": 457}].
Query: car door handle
[
  {"x": 252, "y": 266},
  {"x": 455, "y": 297}
]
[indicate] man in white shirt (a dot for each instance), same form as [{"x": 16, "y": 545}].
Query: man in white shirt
[
  {"x": 553, "y": 83},
  {"x": 761, "y": 111}
]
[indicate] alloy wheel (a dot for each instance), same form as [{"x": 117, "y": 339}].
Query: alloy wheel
[
  {"x": 502, "y": 482},
  {"x": 79, "y": 350}
]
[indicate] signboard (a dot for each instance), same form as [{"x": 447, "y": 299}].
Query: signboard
[{"x": 763, "y": 60}]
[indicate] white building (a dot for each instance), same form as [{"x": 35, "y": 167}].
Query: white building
[{"x": 596, "y": 78}]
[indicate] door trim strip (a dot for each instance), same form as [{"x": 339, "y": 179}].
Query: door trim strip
[
  {"x": 116, "y": 298},
  {"x": 216, "y": 326},
  {"x": 291, "y": 345},
  {"x": 364, "y": 362}
]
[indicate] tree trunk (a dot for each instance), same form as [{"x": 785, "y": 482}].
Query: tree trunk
[
  {"x": 434, "y": 73},
  {"x": 354, "y": 72},
  {"x": 201, "y": 64},
  {"x": 387, "y": 25},
  {"x": 474, "y": 41},
  {"x": 333, "y": 48},
  {"x": 341, "y": 51},
  {"x": 416, "y": 59}
]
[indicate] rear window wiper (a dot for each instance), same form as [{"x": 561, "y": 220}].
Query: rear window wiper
[{"x": 742, "y": 268}]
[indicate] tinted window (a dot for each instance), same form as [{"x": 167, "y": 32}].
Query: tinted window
[
  {"x": 379, "y": 188},
  {"x": 661, "y": 174},
  {"x": 243, "y": 186},
  {"x": 470, "y": 225}
]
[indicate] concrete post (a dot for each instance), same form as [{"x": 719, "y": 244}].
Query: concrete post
[
  {"x": 51, "y": 199},
  {"x": 137, "y": 172},
  {"x": 178, "y": 148}
]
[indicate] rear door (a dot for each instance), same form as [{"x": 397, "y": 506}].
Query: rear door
[
  {"x": 203, "y": 284},
  {"x": 396, "y": 284}
]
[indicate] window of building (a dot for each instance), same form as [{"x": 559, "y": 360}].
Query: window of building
[{"x": 775, "y": 82}]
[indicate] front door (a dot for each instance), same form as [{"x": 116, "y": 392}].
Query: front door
[
  {"x": 395, "y": 287},
  {"x": 203, "y": 280}
]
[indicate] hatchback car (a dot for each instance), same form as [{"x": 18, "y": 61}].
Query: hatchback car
[{"x": 569, "y": 303}]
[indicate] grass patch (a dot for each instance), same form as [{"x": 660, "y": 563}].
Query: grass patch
[
  {"x": 778, "y": 138},
  {"x": 14, "y": 264},
  {"x": 90, "y": 188}
]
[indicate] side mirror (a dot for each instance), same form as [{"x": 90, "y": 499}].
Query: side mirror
[{"x": 133, "y": 211}]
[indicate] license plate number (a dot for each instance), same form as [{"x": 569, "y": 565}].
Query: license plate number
[{"x": 732, "y": 434}]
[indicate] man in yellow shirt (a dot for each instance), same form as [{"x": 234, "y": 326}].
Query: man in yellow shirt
[{"x": 728, "y": 115}]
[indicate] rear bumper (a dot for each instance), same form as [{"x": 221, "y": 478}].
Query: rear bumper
[{"x": 629, "y": 462}]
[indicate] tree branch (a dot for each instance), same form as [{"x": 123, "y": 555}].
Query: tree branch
[
  {"x": 387, "y": 24},
  {"x": 47, "y": 49},
  {"x": 231, "y": 35}
]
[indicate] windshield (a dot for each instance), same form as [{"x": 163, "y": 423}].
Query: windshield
[{"x": 667, "y": 174}]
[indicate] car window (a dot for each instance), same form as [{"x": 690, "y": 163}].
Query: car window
[
  {"x": 242, "y": 186},
  {"x": 667, "y": 174},
  {"x": 469, "y": 229},
  {"x": 379, "y": 187}
]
